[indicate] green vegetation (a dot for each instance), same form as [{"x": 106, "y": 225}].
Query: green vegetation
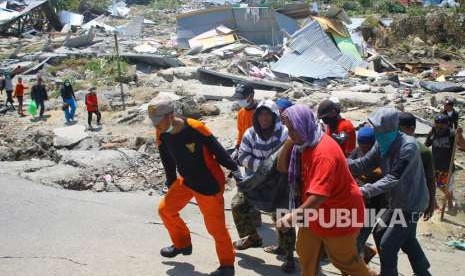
[
  {"x": 96, "y": 70},
  {"x": 73, "y": 5},
  {"x": 165, "y": 4}
]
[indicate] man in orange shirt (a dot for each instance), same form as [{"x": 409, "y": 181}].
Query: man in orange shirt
[
  {"x": 244, "y": 95},
  {"x": 19, "y": 94},
  {"x": 338, "y": 128}
]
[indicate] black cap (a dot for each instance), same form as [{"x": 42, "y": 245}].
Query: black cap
[
  {"x": 242, "y": 91},
  {"x": 407, "y": 119},
  {"x": 441, "y": 119},
  {"x": 449, "y": 101},
  {"x": 326, "y": 107}
]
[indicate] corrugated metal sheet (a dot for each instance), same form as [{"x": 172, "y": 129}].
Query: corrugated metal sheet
[
  {"x": 257, "y": 24},
  {"x": 313, "y": 55}
]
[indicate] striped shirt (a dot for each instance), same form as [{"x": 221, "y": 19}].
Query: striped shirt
[{"x": 253, "y": 150}]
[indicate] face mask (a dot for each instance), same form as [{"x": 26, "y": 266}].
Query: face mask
[
  {"x": 385, "y": 141},
  {"x": 449, "y": 113},
  {"x": 331, "y": 121},
  {"x": 170, "y": 129},
  {"x": 67, "y": 84},
  {"x": 243, "y": 103}
]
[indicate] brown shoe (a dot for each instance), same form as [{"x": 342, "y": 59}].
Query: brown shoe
[{"x": 248, "y": 242}]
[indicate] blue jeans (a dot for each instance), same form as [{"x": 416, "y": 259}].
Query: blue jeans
[
  {"x": 391, "y": 239},
  {"x": 69, "y": 112}
]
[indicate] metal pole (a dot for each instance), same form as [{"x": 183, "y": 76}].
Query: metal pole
[{"x": 119, "y": 70}]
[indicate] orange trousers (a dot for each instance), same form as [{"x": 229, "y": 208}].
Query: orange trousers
[
  {"x": 212, "y": 208},
  {"x": 341, "y": 250}
]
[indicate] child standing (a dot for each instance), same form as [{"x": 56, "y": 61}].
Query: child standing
[
  {"x": 19, "y": 94},
  {"x": 92, "y": 107}
]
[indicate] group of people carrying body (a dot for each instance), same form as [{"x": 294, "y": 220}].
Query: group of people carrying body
[{"x": 389, "y": 171}]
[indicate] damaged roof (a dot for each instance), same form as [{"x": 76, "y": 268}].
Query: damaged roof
[
  {"x": 259, "y": 25},
  {"x": 313, "y": 55}
]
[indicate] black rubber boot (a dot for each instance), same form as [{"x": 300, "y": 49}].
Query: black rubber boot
[
  {"x": 171, "y": 251},
  {"x": 223, "y": 271}
]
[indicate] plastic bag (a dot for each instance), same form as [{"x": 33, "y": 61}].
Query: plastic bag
[{"x": 32, "y": 108}]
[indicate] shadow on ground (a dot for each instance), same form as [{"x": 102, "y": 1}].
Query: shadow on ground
[{"x": 182, "y": 268}]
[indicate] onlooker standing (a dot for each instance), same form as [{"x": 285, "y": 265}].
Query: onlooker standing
[
  {"x": 67, "y": 94},
  {"x": 9, "y": 90},
  {"x": 92, "y": 107},
  {"x": 451, "y": 113},
  {"x": 442, "y": 140},
  {"x": 39, "y": 95},
  {"x": 2, "y": 82},
  {"x": 19, "y": 94}
]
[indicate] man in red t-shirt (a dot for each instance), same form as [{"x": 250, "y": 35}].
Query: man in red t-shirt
[
  {"x": 318, "y": 171},
  {"x": 337, "y": 127}
]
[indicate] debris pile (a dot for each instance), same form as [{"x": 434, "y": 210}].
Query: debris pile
[{"x": 198, "y": 53}]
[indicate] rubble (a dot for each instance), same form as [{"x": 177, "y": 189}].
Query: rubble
[
  {"x": 69, "y": 136},
  {"x": 198, "y": 56}
]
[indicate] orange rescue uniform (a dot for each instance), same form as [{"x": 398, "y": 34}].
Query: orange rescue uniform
[{"x": 197, "y": 155}]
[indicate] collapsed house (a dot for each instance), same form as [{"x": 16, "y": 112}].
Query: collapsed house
[
  {"x": 33, "y": 15},
  {"x": 259, "y": 25}
]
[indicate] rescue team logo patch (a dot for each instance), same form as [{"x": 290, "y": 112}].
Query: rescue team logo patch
[{"x": 191, "y": 147}]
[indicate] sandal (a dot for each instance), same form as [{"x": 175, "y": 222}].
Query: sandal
[{"x": 247, "y": 242}]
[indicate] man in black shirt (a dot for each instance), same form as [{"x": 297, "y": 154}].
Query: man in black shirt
[
  {"x": 451, "y": 113},
  {"x": 442, "y": 140},
  {"x": 188, "y": 146},
  {"x": 39, "y": 95}
]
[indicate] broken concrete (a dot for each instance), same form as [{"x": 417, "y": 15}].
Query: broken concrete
[
  {"x": 69, "y": 136},
  {"x": 359, "y": 97}
]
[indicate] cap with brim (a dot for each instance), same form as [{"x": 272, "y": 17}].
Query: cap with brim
[
  {"x": 407, "y": 119},
  {"x": 159, "y": 107},
  {"x": 325, "y": 108},
  {"x": 242, "y": 91}
]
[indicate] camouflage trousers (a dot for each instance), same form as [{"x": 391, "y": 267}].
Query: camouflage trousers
[{"x": 244, "y": 215}]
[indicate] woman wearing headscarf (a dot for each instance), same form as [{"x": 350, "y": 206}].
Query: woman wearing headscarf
[{"x": 321, "y": 187}]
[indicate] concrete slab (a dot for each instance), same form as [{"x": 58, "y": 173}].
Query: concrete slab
[
  {"x": 361, "y": 97},
  {"x": 69, "y": 136}
]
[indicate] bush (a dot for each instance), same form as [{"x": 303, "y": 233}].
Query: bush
[
  {"x": 365, "y": 3},
  {"x": 351, "y": 6},
  {"x": 387, "y": 6},
  {"x": 69, "y": 5},
  {"x": 165, "y": 4}
]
